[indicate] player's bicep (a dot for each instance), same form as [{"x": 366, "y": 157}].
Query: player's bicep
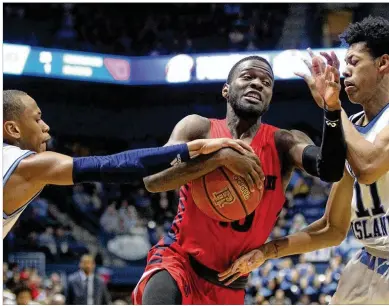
[
  {"x": 32, "y": 174},
  {"x": 293, "y": 144},
  {"x": 189, "y": 128},
  {"x": 47, "y": 168},
  {"x": 379, "y": 165}
]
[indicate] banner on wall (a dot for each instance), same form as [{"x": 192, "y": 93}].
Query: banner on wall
[{"x": 145, "y": 70}]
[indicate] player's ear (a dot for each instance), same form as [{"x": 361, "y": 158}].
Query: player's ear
[
  {"x": 384, "y": 64},
  {"x": 225, "y": 91},
  {"x": 12, "y": 129}
]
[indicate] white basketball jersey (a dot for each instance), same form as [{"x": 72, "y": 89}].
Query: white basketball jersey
[
  {"x": 370, "y": 203},
  {"x": 11, "y": 158}
]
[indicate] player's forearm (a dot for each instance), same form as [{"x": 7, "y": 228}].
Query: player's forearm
[
  {"x": 333, "y": 150},
  {"x": 315, "y": 226},
  {"x": 179, "y": 175},
  {"x": 128, "y": 165},
  {"x": 327, "y": 162},
  {"x": 302, "y": 242}
]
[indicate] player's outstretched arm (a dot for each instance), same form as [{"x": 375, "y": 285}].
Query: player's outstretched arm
[
  {"x": 328, "y": 231},
  {"x": 58, "y": 169},
  {"x": 50, "y": 168},
  {"x": 38, "y": 170},
  {"x": 245, "y": 163}
]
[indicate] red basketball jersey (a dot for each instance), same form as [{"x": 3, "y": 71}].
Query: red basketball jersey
[{"x": 217, "y": 244}]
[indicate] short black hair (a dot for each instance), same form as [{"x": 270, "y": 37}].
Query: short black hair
[
  {"x": 245, "y": 59},
  {"x": 374, "y": 31},
  {"x": 13, "y": 106}
]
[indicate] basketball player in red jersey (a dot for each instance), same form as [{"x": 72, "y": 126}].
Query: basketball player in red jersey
[{"x": 183, "y": 267}]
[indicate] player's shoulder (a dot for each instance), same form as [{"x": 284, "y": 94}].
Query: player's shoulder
[
  {"x": 12, "y": 153},
  {"x": 191, "y": 127},
  {"x": 195, "y": 119}
]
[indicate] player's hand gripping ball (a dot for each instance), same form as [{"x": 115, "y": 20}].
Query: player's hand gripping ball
[{"x": 225, "y": 196}]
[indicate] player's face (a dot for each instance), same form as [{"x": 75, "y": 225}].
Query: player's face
[
  {"x": 362, "y": 74},
  {"x": 251, "y": 90},
  {"x": 34, "y": 132}
]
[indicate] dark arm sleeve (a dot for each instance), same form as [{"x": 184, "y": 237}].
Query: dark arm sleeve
[
  {"x": 327, "y": 162},
  {"x": 125, "y": 166}
]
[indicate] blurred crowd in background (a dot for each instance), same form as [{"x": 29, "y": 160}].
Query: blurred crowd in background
[{"x": 161, "y": 29}]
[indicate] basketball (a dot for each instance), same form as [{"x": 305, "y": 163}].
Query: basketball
[{"x": 224, "y": 196}]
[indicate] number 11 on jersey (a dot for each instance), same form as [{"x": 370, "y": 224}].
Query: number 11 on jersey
[{"x": 361, "y": 211}]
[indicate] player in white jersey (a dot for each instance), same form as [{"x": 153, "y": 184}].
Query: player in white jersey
[
  {"x": 365, "y": 184},
  {"x": 27, "y": 168}
]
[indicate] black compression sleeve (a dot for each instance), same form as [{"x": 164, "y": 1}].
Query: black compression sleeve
[
  {"x": 328, "y": 162},
  {"x": 310, "y": 155}
]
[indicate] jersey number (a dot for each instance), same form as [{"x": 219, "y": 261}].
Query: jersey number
[
  {"x": 245, "y": 227},
  {"x": 377, "y": 207}
]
